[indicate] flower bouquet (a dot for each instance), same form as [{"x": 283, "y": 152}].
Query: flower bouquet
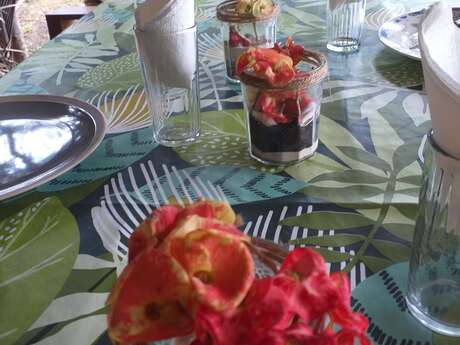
[
  {"x": 282, "y": 91},
  {"x": 192, "y": 274},
  {"x": 246, "y": 23}
]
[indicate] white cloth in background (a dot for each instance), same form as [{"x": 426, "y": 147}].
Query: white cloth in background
[{"x": 168, "y": 52}]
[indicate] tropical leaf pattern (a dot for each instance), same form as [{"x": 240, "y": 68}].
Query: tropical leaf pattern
[
  {"x": 355, "y": 201},
  {"x": 378, "y": 183},
  {"x": 238, "y": 184},
  {"x": 38, "y": 245},
  {"x": 115, "y": 153},
  {"x": 124, "y": 113},
  {"x": 391, "y": 286}
]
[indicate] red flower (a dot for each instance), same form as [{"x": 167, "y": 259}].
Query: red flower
[
  {"x": 302, "y": 262},
  {"x": 290, "y": 308},
  {"x": 204, "y": 282}
]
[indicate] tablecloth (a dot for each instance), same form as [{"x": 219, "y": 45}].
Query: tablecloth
[{"x": 63, "y": 244}]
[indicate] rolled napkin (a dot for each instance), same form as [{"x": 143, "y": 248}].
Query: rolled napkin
[
  {"x": 166, "y": 49},
  {"x": 165, "y": 15},
  {"x": 439, "y": 41}
]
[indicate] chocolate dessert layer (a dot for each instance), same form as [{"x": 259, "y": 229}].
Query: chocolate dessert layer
[{"x": 289, "y": 137}]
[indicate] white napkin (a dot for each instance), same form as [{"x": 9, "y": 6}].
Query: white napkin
[
  {"x": 165, "y": 15},
  {"x": 439, "y": 41},
  {"x": 167, "y": 51}
]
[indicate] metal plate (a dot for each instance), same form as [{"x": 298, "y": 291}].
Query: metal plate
[
  {"x": 41, "y": 137},
  {"x": 401, "y": 33}
]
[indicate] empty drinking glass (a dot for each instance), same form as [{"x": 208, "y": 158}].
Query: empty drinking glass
[
  {"x": 434, "y": 279},
  {"x": 345, "y": 20},
  {"x": 170, "y": 72}
]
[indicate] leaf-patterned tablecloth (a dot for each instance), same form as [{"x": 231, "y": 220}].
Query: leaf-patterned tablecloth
[{"x": 63, "y": 244}]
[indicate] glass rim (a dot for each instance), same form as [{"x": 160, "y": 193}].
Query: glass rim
[{"x": 167, "y": 33}]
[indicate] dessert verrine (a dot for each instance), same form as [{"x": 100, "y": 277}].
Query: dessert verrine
[
  {"x": 282, "y": 90},
  {"x": 246, "y": 23}
]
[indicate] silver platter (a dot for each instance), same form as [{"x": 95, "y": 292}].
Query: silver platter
[{"x": 42, "y": 137}]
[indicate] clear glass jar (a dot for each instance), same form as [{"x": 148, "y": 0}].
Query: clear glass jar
[
  {"x": 434, "y": 277},
  {"x": 283, "y": 123},
  {"x": 239, "y": 32}
]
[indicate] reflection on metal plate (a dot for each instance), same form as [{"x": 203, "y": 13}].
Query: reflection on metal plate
[{"x": 41, "y": 137}]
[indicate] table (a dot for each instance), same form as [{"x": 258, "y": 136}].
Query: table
[{"x": 63, "y": 244}]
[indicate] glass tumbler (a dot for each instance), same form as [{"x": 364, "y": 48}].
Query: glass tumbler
[
  {"x": 282, "y": 122},
  {"x": 345, "y": 20},
  {"x": 169, "y": 68},
  {"x": 239, "y": 32},
  {"x": 434, "y": 277}
]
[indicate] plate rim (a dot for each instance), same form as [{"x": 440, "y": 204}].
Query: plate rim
[
  {"x": 389, "y": 44},
  {"x": 100, "y": 129}
]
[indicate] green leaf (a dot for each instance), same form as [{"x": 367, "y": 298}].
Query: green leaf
[
  {"x": 68, "y": 197},
  {"x": 365, "y": 157},
  {"x": 410, "y": 191},
  {"x": 408, "y": 210},
  {"x": 414, "y": 179},
  {"x": 328, "y": 220},
  {"x": 333, "y": 256},
  {"x": 120, "y": 73},
  {"x": 394, "y": 251},
  {"x": 331, "y": 241},
  {"x": 39, "y": 246},
  {"x": 333, "y": 136},
  {"x": 405, "y": 155},
  {"x": 125, "y": 41},
  {"x": 439, "y": 339},
  {"x": 345, "y": 195},
  {"x": 351, "y": 176},
  {"x": 403, "y": 231},
  {"x": 313, "y": 167},
  {"x": 376, "y": 264},
  {"x": 384, "y": 136}
]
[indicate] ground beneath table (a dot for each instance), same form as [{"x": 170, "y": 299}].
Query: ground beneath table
[{"x": 31, "y": 16}]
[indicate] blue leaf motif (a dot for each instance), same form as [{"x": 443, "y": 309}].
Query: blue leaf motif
[
  {"x": 109, "y": 157},
  {"x": 239, "y": 185}
]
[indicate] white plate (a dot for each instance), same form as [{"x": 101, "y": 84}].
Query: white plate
[{"x": 401, "y": 33}]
